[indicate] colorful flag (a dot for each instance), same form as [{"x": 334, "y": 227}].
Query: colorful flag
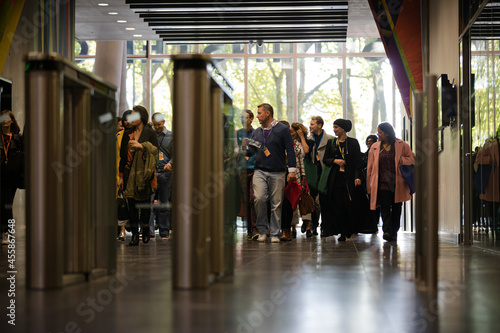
[
  {"x": 399, "y": 25},
  {"x": 10, "y": 12}
]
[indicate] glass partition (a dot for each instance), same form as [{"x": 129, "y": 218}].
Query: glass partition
[
  {"x": 485, "y": 67},
  {"x": 137, "y": 47},
  {"x": 161, "y": 87},
  {"x": 319, "y": 89},
  {"x": 234, "y": 71},
  {"x": 137, "y": 93},
  {"x": 270, "y": 48},
  {"x": 369, "y": 86},
  {"x": 159, "y": 47},
  {"x": 320, "y": 47},
  {"x": 222, "y": 48},
  {"x": 309, "y": 79},
  {"x": 270, "y": 80}
]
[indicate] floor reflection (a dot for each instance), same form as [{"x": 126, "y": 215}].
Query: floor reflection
[{"x": 307, "y": 285}]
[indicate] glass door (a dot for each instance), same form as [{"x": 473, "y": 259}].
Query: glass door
[{"x": 485, "y": 133}]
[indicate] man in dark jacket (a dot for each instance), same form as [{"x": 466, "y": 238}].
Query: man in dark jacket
[
  {"x": 273, "y": 145},
  {"x": 164, "y": 177}
]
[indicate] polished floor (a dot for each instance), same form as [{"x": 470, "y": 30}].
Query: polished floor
[{"x": 307, "y": 285}]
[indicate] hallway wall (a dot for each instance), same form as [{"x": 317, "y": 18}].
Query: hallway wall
[{"x": 444, "y": 59}]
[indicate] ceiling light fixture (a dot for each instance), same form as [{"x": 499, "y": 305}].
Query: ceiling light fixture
[
  {"x": 121, "y": 21},
  {"x": 129, "y": 28},
  {"x": 137, "y": 35},
  {"x": 103, "y": 4},
  {"x": 112, "y": 13}
]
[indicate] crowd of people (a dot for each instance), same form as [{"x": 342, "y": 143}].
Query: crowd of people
[
  {"x": 350, "y": 190},
  {"x": 144, "y": 165}
]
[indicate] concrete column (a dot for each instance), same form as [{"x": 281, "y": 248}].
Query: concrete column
[{"x": 110, "y": 64}]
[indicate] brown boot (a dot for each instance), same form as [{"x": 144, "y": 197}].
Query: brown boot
[
  {"x": 122, "y": 234},
  {"x": 286, "y": 236},
  {"x": 306, "y": 225}
]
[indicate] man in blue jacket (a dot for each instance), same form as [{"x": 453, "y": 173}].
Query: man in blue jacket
[
  {"x": 273, "y": 145},
  {"x": 245, "y": 166}
]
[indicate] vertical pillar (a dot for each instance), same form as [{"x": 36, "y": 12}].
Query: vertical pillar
[
  {"x": 419, "y": 186},
  {"x": 217, "y": 184},
  {"x": 231, "y": 203},
  {"x": 431, "y": 197},
  {"x": 467, "y": 139},
  {"x": 76, "y": 191},
  {"x": 192, "y": 143},
  {"x": 102, "y": 135},
  {"x": 44, "y": 144}
]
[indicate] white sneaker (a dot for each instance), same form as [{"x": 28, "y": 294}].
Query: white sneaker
[
  {"x": 275, "y": 239},
  {"x": 262, "y": 238},
  {"x": 5, "y": 238}
]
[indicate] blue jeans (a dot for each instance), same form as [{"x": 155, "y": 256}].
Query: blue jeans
[
  {"x": 162, "y": 213},
  {"x": 268, "y": 186}
]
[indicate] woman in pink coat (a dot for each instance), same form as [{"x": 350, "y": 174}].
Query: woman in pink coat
[{"x": 384, "y": 182}]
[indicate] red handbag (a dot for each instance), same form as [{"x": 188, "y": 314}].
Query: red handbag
[{"x": 293, "y": 191}]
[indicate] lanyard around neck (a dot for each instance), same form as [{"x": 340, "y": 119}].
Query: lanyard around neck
[
  {"x": 340, "y": 148},
  {"x": 6, "y": 144},
  {"x": 267, "y": 137},
  {"x": 321, "y": 139}
]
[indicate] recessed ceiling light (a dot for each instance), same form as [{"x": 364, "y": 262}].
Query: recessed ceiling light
[
  {"x": 103, "y": 4},
  {"x": 137, "y": 35},
  {"x": 129, "y": 28},
  {"x": 121, "y": 21},
  {"x": 112, "y": 13}
]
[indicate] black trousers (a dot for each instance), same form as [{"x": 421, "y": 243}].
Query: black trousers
[
  {"x": 286, "y": 214},
  {"x": 340, "y": 208},
  {"x": 390, "y": 211},
  {"x": 7, "y": 192},
  {"x": 140, "y": 212},
  {"x": 319, "y": 211}
]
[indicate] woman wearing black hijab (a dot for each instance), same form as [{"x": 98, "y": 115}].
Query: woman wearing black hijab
[{"x": 344, "y": 156}]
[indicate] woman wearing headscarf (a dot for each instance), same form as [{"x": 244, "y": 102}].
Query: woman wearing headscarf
[
  {"x": 370, "y": 140},
  {"x": 385, "y": 184},
  {"x": 138, "y": 163},
  {"x": 11, "y": 168},
  {"x": 343, "y": 154}
]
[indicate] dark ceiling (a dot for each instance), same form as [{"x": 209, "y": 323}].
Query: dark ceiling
[
  {"x": 224, "y": 21},
  {"x": 244, "y": 21},
  {"x": 487, "y": 25}
]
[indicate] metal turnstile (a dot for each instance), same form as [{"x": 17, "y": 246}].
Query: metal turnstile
[
  {"x": 70, "y": 140},
  {"x": 202, "y": 247}
]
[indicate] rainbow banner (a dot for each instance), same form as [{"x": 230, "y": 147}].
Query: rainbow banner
[
  {"x": 10, "y": 12},
  {"x": 399, "y": 27}
]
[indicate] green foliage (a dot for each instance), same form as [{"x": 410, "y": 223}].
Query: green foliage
[
  {"x": 485, "y": 68},
  {"x": 317, "y": 81}
]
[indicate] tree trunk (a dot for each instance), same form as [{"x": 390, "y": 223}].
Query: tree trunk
[
  {"x": 375, "y": 104},
  {"x": 381, "y": 97},
  {"x": 289, "y": 94},
  {"x": 350, "y": 109},
  {"x": 301, "y": 64}
]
